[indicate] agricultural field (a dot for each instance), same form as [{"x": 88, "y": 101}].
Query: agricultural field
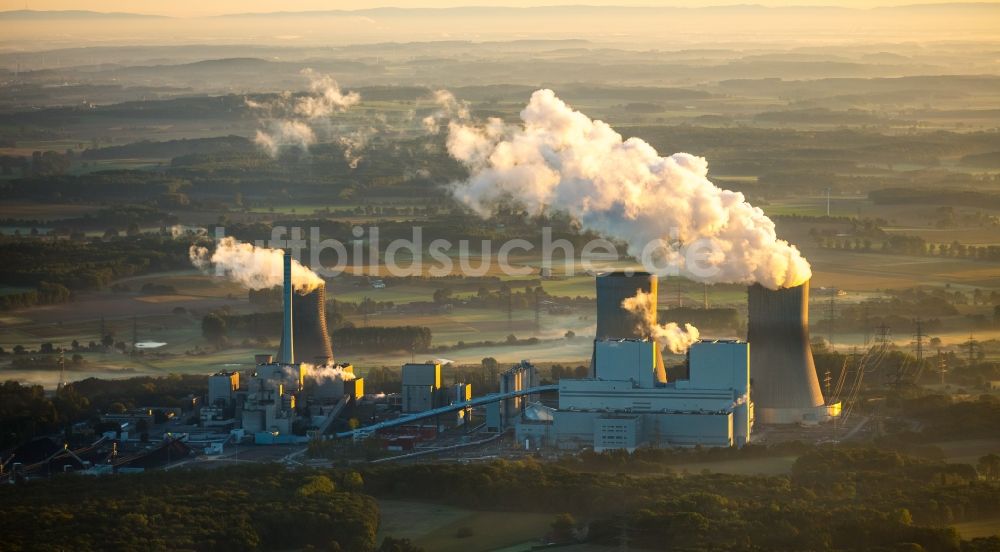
[{"x": 436, "y": 527}]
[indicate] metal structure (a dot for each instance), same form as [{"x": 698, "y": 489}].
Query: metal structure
[
  {"x": 455, "y": 407},
  {"x": 785, "y": 387},
  {"x": 614, "y": 321}
]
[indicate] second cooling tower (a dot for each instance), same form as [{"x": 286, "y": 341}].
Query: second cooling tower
[
  {"x": 785, "y": 388},
  {"x": 613, "y": 320}
]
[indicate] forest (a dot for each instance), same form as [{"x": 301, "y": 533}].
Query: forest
[{"x": 836, "y": 498}]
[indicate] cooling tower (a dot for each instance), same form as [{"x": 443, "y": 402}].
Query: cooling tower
[
  {"x": 784, "y": 387},
  {"x": 613, "y": 320},
  {"x": 303, "y": 330},
  {"x": 311, "y": 338}
]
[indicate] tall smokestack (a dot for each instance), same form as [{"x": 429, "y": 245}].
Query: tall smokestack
[
  {"x": 312, "y": 338},
  {"x": 287, "y": 351},
  {"x": 784, "y": 388},
  {"x": 614, "y": 321}
]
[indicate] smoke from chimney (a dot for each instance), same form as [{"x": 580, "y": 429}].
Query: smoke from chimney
[
  {"x": 253, "y": 267},
  {"x": 622, "y": 189}
]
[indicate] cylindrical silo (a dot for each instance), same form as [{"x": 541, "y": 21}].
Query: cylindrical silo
[
  {"x": 614, "y": 321},
  {"x": 784, "y": 386}
]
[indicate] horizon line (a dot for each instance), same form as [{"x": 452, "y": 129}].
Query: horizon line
[{"x": 348, "y": 12}]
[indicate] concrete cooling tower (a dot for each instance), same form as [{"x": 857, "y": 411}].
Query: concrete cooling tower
[
  {"x": 304, "y": 336},
  {"x": 784, "y": 386},
  {"x": 613, "y": 320},
  {"x": 311, "y": 337}
]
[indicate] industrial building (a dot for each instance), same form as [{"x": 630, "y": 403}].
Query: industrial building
[
  {"x": 421, "y": 386},
  {"x": 626, "y": 403},
  {"x": 222, "y": 387},
  {"x": 500, "y": 414},
  {"x": 624, "y": 407},
  {"x": 422, "y": 391},
  {"x": 268, "y": 400}
]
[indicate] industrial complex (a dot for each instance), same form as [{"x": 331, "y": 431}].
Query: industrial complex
[
  {"x": 725, "y": 388},
  {"x": 625, "y": 401}
]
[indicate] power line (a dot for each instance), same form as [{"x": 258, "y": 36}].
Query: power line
[
  {"x": 831, "y": 315},
  {"x": 867, "y": 327},
  {"x": 510, "y": 309},
  {"x": 918, "y": 340},
  {"x": 538, "y": 314},
  {"x": 972, "y": 345}
]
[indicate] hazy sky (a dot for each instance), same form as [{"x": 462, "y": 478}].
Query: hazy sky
[{"x": 214, "y": 7}]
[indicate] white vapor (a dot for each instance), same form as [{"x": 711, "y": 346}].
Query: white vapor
[
  {"x": 289, "y": 121},
  {"x": 623, "y": 189},
  {"x": 449, "y": 108},
  {"x": 326, "y": 98},
  {"x": 668, "y": 335},
  {"x": 327, "y": 373},
  {"x": 254, "y": 267},
  {"x": 180, "y": 230},
  {"x": 280, "y": 134}
]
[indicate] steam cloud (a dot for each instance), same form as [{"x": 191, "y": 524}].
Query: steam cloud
[
  {"x": 668, "y": 335},
  {"x": 327, "y": 373},
  {"x": 254, "y": 267},
  {"x": 622, "y": 189},
  {"x": 333, "y": 373},
  {"x": 179, "y": 230},
  {"x": 449, "y": 108},
  {"x": 290, "y": 121}
]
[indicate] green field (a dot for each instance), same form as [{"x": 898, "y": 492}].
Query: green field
[
  {"x": 434, "y": 527},
  {"x": 979, "y": 529}
]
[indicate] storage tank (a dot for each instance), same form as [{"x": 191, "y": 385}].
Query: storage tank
[
  {"x": 784, "y": 386},
  {"x": 614, "y": 321}
]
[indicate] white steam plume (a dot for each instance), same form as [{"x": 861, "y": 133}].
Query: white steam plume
[
  {"x": 333, "y": 373},
  {"x": 280, "y": 134},
  {"x": 293, "y": 122},
  {"x": 326, "y": 98},
  {"x": 325, "y": 373},
  {"x": 622, "y": 189},
  {"x": 668, "y": 335},
  {"x": 254, "y": 267},
  {"x": 449, "y": 108},
  {"x": 179, "y": 230}
]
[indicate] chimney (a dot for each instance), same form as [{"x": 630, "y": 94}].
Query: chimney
[
  {"x": 287, "y": 351},
  {"x": 785, "y": 388},
  {"x": 614, "y": 321}
]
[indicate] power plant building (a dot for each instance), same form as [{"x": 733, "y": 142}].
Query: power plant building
[
  {"x": 421, "y": 383},
  {"x": 274, "y": 388},
  {"x": 222, "y": 387},
  {"x": 627, "y": 402},
  {"x": 624, "y": 407}
]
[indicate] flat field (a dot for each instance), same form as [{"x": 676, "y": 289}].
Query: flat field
[{"x": 435, "y": 527}]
